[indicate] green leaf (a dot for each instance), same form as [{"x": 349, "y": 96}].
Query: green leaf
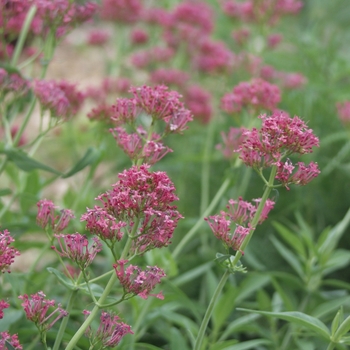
[
  {"x": 62, "y": 278},
  {"x": 190, "y": 275},
  {"x": 336, "y": 321},
  {"x": 177, "y": 341},
  {"x": 343, "y": 329},
  {"x": 90, "y": 157},
  {"x": 298, "y": 318},
  {"x": 330, "y": 306},
  {"x": 25, "y": 163},
  {"x": 144, "y": 346},
  {"x": 340, "y": 258},
  {"x": 291, "y": 238},
  {"x": 223, "y": 345},
  {"x": 291, "y": 258},
  {"x": 250, "y": 344},
  {"x": 5, "y": 192},
  {"x": 252, "y": 283}
]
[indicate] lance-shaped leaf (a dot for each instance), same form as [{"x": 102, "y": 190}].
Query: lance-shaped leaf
[
  {"x": 26, "y": 163},
  {"x": 298, "y": 318}
]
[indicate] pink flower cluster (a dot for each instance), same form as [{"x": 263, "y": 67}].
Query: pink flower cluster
[
  {"x": 138, "y": 282},
  {"x": 147, "y": 57},
  {"x": 343, "y": 109},
  {"x": 231, "y": 142},
  {"x": 283, "y": 79},
  {"x": 12, "y": 83},
  {"x": 279, "y": 137},
  {"x": 76, "y": 247},
  {"x": 268, "y": 11},
  {"x": 241, "y": 213},
  {"x": 255, "y": 95},
  {"x": 110, "y": 331},
  {"x": 61, "y": 15},
  {"x": 139, "y": 198},
  {"x": 36, "y": 308},
  {"x": 3, "y": 305},
  {"x": 7, "y": 339},
  {"x": 47, "y": 217},
  {"x": 61, "y": 98},
  {"x": 7, "y": 253},
  {"x": 122, "y": 11}
]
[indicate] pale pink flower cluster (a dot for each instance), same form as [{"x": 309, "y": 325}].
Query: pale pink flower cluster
[
  {"x": 62, "y": 99},
  {"x": 110, "y": 331},
  {"x": 122, "y": 11},
  {"x": 7, "y": 253},
  {"x": 279, "y": 137},
  {"x": 138, "y": 282},
  {"x": 283, "y": 79},
  {"x": 268, "y": 11},
  {"x": 47, "y": 216},
  {"x": 7, "y": 339},
  {"x": 256, "y": 94},
  {"x": 12, "y": 83},
  {"x": 240, "y": 215},
  {"x": 231, "y": 141},
  {"x": 3, "y": 305},
  {"x": 139, "y": 36},
  {"x": 163, "y": 108},
  {"x": 98, "y": 37},
  {"x": 139, "y": 198},
  {"x": 36, "y": 308},
  {"x": 343, "y": 109},
  {"x": 147, "y": 57},
  {"x": 76, "y": 247},
  {"x": 163, "y": 76}
]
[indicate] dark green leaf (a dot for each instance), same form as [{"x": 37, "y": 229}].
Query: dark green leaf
[{"x": 62, "y": 278}]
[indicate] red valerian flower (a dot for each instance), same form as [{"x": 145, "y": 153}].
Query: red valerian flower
[
  {"x": 138, "y": 282},
  {"x": 76, "y": 247},
  {"x": 140, "y": 198},
  {"x": 6, "y": 338},
  {"x": 7, "y": 253},
  {"x": 36, "y": 308},
  {"x": 3, "y": 305}
]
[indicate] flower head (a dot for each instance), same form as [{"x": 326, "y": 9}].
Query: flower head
[
  {"x": 343, "y": 109},
  {"x": 7, "y": 253},
  {"x": 3, "y": 305},
  {"x": 76, "y": 247},
  {"x": 138, "y": 282},
  {"x": 36, "y": 308},
  {"x": 6, "y": 338}
]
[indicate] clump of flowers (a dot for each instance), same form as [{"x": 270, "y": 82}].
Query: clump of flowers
[
  {"x": 110, "y": 331},
  {"x": 343, "y": 109},
  {"x": 7, "y": 339},
  {"x": 7, "y": 253},
  {"x": 254, "y": 95},
  {"x": 138, "y": 282},
  {"x": 47, "y": 217},
  {"x": 279, "y": 137},
  {"x": 140, "y": 206},
  {"x": 3, "y": 305},
  {"x": 76, "y": 247},
  {"x": 36, "y": 308},
  {"x": 240, "y": 215},
  {"x": 62, "y": 99},
  {"x": 162, "y": 108},
  {"x": 231, "y": 141},
  {"x": 12, "y": 83}
]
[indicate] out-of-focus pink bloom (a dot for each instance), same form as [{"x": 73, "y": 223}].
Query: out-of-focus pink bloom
[
  {"x": 61, "y": 98},
  {"x": 198, "y": 101},
  {"x": 98, "y": 37},
  {"x": 157, "y": 16},
  {"x": 47, "y": 217},
  {"x": 138, "y": 282},
  {"x": 212, "y": 56},
  {"x": 7, "y": 253},
  {"x": 36, "y": 308},
  {"x": 343, "y": 109},
  {"x": 169, "y": 76},
  {"x": 241, "y": 36},
  {"x": 292, "y": 80},
  {"x": 231, "y": 142},
  {"x": 12, "y": 83},
  {"x": 156, "y": 54},
  {"x": 3, "y": 305},
  {"x": 76, "y": 247},
  {"x": 102, "y": 113},
  {"x": 139, "y": 36},
  {"x": 257, "y": 94},
  {"x": 6, "y": 338},
  {"x": 274, "y": 40},
  {"x": 122, "y": 11},
  {"x": 189, "y": 21}
]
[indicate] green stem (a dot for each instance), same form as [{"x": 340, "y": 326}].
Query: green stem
[
  {"x": 239, "y": 254},
  {"x": 200, "y": 221},
  {"x": 64, "y": 322},
  {"x": 103, "y": 297},
  {"x": 330, "y": 346},
  {"x": 23, "y": 35},
  {"x": 208, "y": 313}
]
